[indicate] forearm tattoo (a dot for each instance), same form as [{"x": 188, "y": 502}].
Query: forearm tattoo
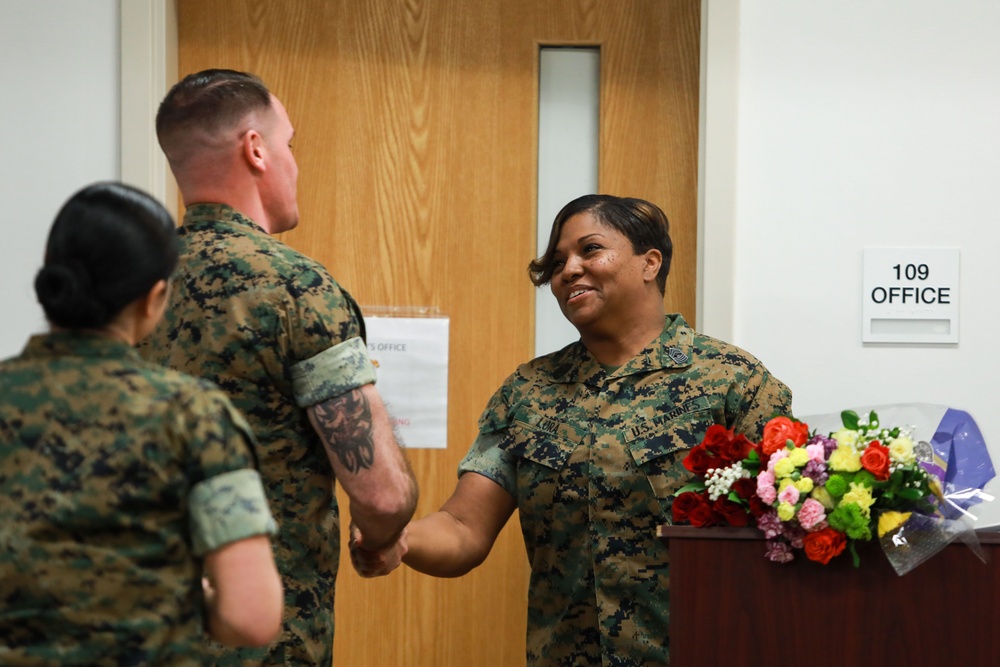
[{"x": 345, "y": 424}]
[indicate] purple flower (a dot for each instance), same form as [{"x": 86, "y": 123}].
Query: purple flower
[
  {"x": 778, "y": 552},
  {"x": 795, "y": 534},
  {"x": 816, "y": 471},
  {"x": 829, "y": 444},
  {"x": 770, "y": 524}
]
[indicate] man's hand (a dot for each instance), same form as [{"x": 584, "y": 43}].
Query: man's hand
[{"x": 376, "y": 563}]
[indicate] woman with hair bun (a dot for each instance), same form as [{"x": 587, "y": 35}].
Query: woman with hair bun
[{"x": 132, "y": 517}]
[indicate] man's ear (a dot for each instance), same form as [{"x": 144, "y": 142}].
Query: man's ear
[{"x": 254, "y": 151}]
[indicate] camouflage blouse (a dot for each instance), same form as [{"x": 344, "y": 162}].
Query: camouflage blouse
[
  {"x": 109, "y": 496},
  {"x": 593, "y": 457},
  {"x": 277, "y": 333}
]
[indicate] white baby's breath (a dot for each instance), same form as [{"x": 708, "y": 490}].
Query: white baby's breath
[{"x": 719, "y": 481}]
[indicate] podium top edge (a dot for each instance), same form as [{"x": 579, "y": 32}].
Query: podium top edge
[{"x": 987, "y": 536}]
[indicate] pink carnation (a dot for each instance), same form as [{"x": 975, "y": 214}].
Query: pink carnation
[
  {"x": 811, "y": 513},
  {"x": 773, "y": 460},
  {"x": 767, "y": 495},
  {"x": 765, "y": 487},
  {"x": 789, "y": 495},
  {"x": 816, "y": 452}
]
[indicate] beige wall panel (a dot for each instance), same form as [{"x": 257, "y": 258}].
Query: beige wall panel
[{"x": 416, "y": 141}]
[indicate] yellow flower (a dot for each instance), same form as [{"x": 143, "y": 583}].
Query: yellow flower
[
  {"x": 845, "y": 459},
  {"x": 786, "y": 511},
  {"x": 901, "y": 451},
  {"x": 787, "y": 481},
  {"x": 799, "y": 457},
  {"x": 860, "y": 495},
  {"x": 784, "y": 467},
  {"x": 823, "y": 496},
  {"x": 804, "y": 485},
  {"x": 890, "y": 521},
  {"x": 846, "y": 437}
]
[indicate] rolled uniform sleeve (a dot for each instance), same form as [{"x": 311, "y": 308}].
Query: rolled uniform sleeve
[
  {"x": 323, "y": 335},
  {"x": 228, "y": 508},
  {"x": 226, "y": 499},
  {"x": 489, "y": 460},
  {"x": 333, "y": 372},
  {"x": 486, "y": 457}
]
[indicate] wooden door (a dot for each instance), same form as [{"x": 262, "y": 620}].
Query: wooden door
[{"x": 416, "y": 139}]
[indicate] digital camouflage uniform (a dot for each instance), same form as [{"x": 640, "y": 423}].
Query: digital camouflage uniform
[
  {"x": 116, "y": 476},
  {"x": 593, "y": 459},
  {"x": 277, "y": 334}
]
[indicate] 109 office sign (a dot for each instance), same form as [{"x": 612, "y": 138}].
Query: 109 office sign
[{"x": 910, "y": 295}]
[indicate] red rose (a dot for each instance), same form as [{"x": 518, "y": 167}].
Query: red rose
[
  {"x": 875, "y": 459},
  {"x": 699, "y": 460},
  {"x": 717, "y": 437},
  {"x": 683, "y": 504},
  {"x": 745, "y": 487},
  {"x": 758, "y": 506},
  {"x": 779, "y": 431},
  {"x": 703, "y": 515},
  {"x": 737, "y": 449},
  {"x": 733, "y": 513},
  {"x": 823, "y": 545}
]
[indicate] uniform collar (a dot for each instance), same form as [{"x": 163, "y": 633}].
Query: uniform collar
[
  {"x": 78, "y": 344},
  {"x": 200, "y": 216},
  {"x": 674, "y": 348}
]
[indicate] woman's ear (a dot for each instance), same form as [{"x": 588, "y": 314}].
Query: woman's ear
[
  {"x": 147, "y": 310},
  {"x": 651, "y": 269},
  {"x": 155, "y": 301}
]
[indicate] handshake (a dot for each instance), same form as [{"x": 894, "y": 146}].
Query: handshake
[{"x": 376, "y": 562}]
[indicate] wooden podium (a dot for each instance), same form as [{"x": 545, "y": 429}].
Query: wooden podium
[{"x": 730, "y": 606}]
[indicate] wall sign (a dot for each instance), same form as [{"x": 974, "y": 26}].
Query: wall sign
[
  {"x": 910, "y": 295},
  {"x": 410, "y": 355}
]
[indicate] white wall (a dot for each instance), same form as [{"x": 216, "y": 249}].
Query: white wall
[
  {"x": 867, "y": 123},
  {"x": 59, "y": 129}
]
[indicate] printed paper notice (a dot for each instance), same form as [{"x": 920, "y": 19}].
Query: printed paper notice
[{"x": 411, "y": 366}]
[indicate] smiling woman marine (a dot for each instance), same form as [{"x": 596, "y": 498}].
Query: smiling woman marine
[{"x": 587, "y": 443}]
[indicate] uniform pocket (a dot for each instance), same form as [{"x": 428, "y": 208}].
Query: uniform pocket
[
  {"x": 541, "y": 439},
  {"x": 661, "y": 447},
  {"x": 543, "y": 451}
]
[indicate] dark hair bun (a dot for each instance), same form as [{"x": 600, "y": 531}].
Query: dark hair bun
[
  {"x": 66, "y": 294},
  {"x": 109, "y": 244}
]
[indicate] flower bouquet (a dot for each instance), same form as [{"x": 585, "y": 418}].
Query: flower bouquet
[{"x": 824, "y": 493}]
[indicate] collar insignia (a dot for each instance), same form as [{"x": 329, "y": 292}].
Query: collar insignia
[{"x": 677, "y": 355}]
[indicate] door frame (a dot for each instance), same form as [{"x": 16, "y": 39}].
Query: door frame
[{"x": 149, "y": 67}]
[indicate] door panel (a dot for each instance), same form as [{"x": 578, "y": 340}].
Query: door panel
[{"x": 416, "y": 126}]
